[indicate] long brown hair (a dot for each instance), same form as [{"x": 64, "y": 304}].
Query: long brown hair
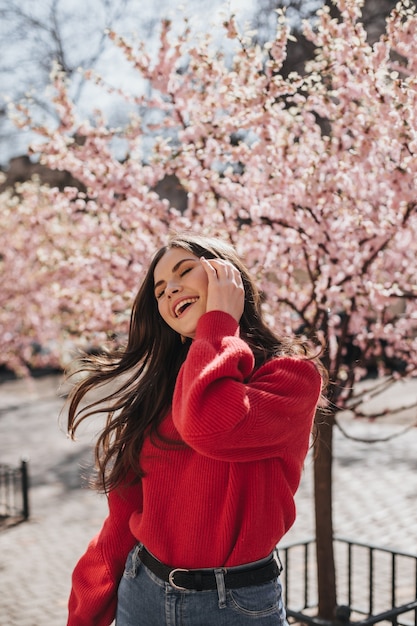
[{"x": 148, "y": 367}]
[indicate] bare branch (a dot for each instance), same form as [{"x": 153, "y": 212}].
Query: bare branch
[{"x": 367, "y": 440}]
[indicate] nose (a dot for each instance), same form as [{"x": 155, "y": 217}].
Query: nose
[{"x": 172, "y": 288}]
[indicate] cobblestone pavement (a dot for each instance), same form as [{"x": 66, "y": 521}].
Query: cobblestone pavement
[{"x": 375, "y": 495}]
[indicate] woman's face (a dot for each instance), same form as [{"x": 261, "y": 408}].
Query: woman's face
[{"x": 181, "y": 290}]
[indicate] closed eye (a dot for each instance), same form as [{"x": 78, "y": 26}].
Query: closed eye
[{"x": 159, "y": 294}]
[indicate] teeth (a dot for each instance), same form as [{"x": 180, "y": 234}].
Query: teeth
[{"x": 181, "y": 304}]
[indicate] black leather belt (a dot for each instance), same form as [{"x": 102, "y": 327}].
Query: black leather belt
[{"x": 205, "y": 579}]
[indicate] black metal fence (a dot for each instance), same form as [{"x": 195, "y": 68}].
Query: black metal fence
[
  {"x": 14, "y": 493},
  {"x": 374, "y": 584}
]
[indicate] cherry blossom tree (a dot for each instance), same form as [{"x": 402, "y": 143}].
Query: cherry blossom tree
[{"x": 311, "y": 177}]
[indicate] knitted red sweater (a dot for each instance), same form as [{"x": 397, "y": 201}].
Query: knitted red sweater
[{"x": 226, "y": 498}]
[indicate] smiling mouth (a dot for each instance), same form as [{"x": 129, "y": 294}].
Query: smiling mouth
[{"x": 183, "y": 305}]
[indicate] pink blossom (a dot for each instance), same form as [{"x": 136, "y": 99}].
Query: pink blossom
[{"x": 324, "y": 213}]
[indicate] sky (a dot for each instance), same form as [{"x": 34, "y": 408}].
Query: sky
[
  {"x": 28, "y": 30},
  {"x": 26, "y": 42}
]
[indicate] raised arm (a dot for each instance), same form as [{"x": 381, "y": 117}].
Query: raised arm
[{"x": 225, "y": 410}]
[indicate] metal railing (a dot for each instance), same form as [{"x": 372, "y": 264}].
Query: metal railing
[
  {"x": 14, "y": 493},
  {"x": 374, "y": 584}
]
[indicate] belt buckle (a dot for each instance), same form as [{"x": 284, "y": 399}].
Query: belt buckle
[{"x": 171, "y": 578}]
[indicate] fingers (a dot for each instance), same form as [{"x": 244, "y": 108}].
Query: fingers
[
  {"x": 209, "y": 267},
  {"x": 221, "y": 269},
  {"x": 225, "y": 287}
]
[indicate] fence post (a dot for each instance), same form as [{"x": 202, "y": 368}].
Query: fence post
[{"x": 25, "y": 488}]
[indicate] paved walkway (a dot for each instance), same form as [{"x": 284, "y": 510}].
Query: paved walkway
[{"x": 375, "y": 493}]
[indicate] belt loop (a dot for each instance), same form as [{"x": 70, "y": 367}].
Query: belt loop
[
  {"x": 221, "y": 587},
  {"x": 136, "y": 558},
  {"x": 278, "y": 559}
]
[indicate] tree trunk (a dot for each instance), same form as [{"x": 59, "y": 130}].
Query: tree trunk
[{"x": 326, "y": 575}]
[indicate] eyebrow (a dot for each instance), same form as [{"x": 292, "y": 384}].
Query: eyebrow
[{"x": 174, "y": 269}]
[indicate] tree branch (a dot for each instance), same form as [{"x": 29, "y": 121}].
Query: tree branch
[{"x": 374, "y": 439}]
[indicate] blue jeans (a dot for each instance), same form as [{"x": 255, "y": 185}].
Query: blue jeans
[{"x": 145, "y": 600}]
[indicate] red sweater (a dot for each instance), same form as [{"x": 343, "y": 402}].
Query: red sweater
[{"x": 224, "y": 499}]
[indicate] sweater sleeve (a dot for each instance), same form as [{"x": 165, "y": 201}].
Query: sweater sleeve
[
  {"x": 96, "y": 576},
  {"x": 225, "y": 410}
]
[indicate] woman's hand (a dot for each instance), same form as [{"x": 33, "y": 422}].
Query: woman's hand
[{"x": 225, "y": 291}]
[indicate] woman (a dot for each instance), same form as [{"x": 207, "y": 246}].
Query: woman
[{"x": 202, "y": 451}]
